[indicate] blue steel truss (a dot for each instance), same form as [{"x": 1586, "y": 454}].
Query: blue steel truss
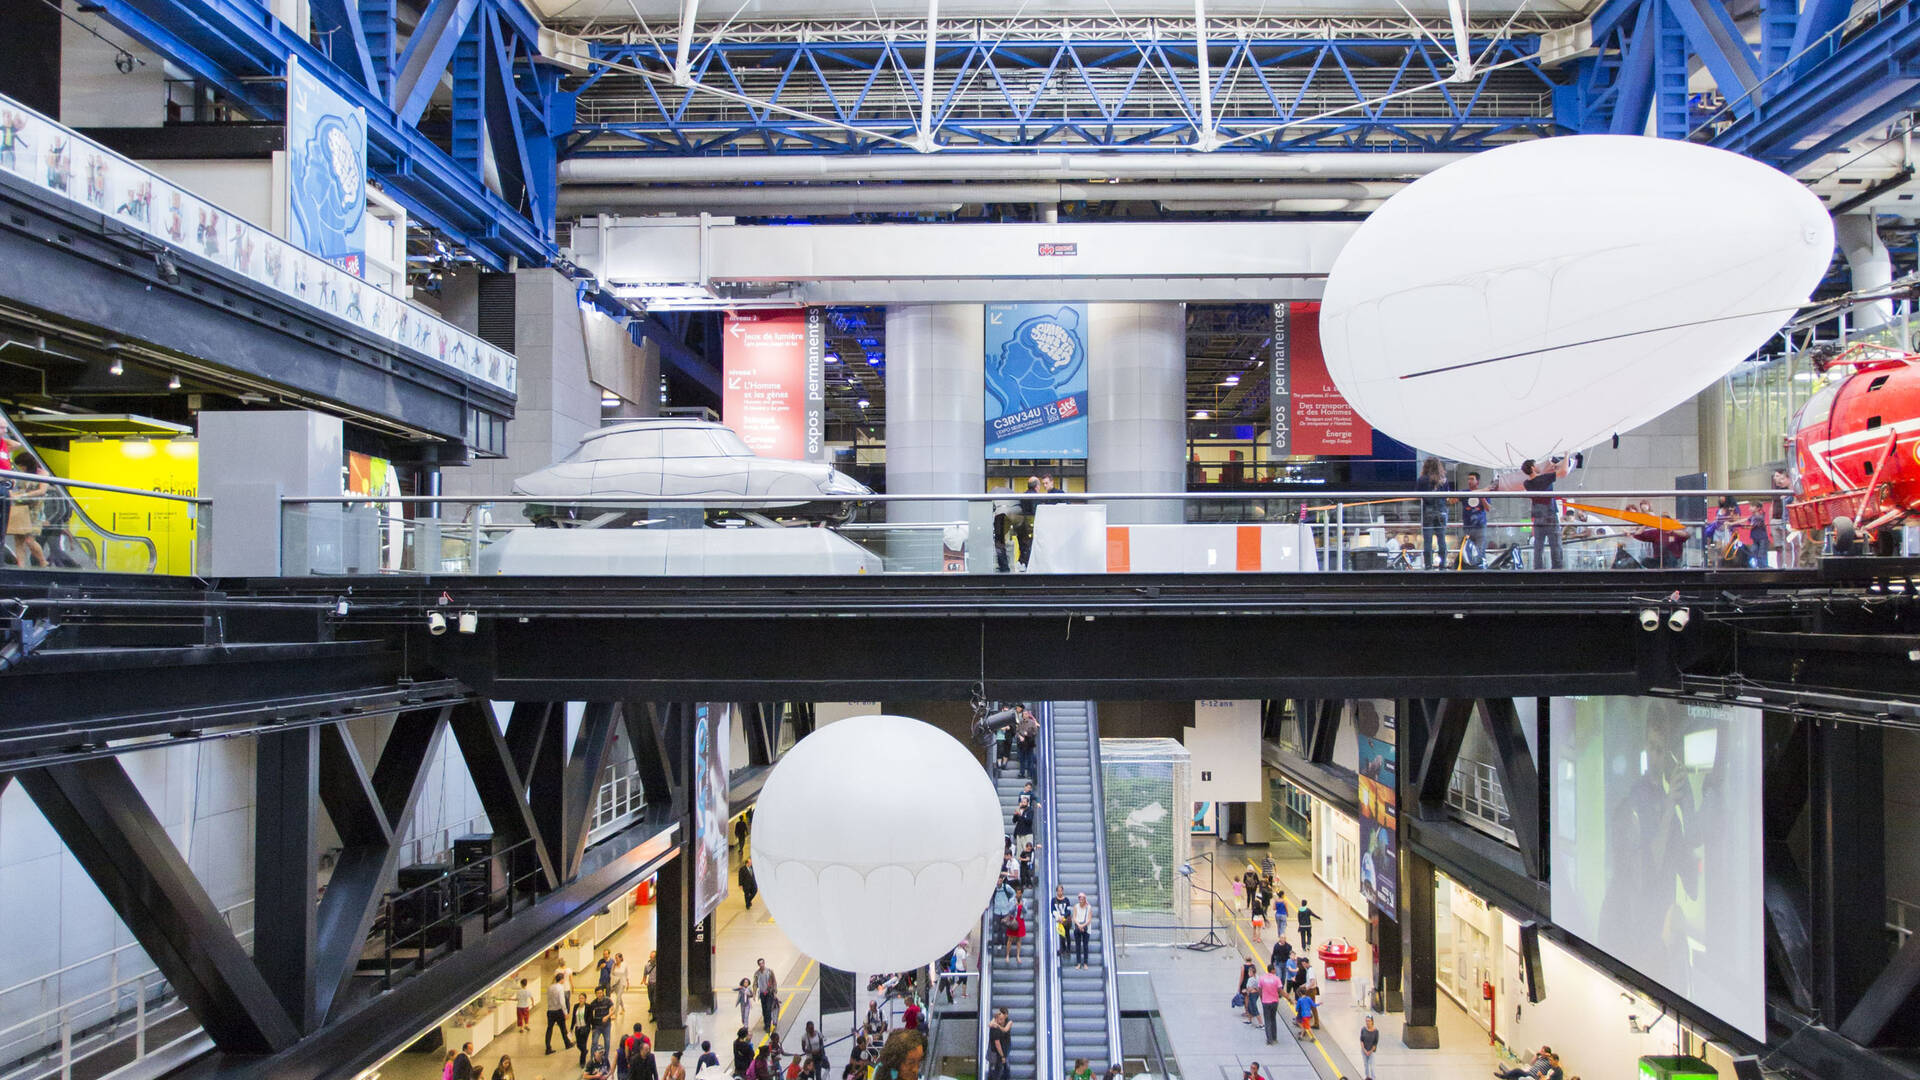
[
  {"x": 859, "y": 97},
  {"x": 504, "y": 97},
  {"x": 1819, "y": 77}
]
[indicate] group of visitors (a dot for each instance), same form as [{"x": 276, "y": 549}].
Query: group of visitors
[
  {"x": 1545, "y": 1066},
  {"x": 460, "y": 1065},
  {"x": 1436, "y": 514},
  {"x": 1019, "y": 740},
  {"x": 1013, "y": 524}
]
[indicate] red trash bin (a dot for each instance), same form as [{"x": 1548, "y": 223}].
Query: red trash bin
[{"x": 1338, "y": 957}]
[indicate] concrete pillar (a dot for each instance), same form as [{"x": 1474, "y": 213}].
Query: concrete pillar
[
  {"x": 936, "y": 408},
  {"x": 248, "y": 462},
  {"x": 1872, "y": 266},
  {"x": 1136, "y": 406}
]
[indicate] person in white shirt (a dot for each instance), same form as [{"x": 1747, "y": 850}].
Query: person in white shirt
[
  {"x": 621, "y": 977},
  {"x": 522, "y": 1006},
  {"x": 557, "y": 998},
  {"x": 1082, "y": 929}
]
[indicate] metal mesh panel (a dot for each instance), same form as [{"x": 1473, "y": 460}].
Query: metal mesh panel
[{"x": 1149, "y": 815}]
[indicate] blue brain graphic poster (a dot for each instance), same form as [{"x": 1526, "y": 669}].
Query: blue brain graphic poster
[
  {"x": 326, "y": 172},
  {"x": 1036, "y": 369}
]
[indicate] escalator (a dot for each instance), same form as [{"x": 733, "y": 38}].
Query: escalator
[
  {"x": 1084, "y": 1008},
  {"x": 71, "y": 539},
  {"x": 1022, "y": 987}
]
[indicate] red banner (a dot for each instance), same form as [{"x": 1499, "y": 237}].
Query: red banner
[
  {"x": 765, "y": 367},
  {"x": 1323, "y": 422}
]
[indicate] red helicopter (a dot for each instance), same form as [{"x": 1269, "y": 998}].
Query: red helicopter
[{"x": 1856, "y": 448}]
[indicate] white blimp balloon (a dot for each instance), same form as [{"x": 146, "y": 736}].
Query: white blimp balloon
[
  {"x": 876, "y": 842},
  {"x": 1539, "y": 298}
]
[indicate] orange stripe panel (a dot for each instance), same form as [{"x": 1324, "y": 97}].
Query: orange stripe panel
[
  {"x": 1247, "y": 549},
  {"x": 1119, "y": 549}
]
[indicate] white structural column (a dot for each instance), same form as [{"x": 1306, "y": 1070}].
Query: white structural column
[
  {"x": 1136, "y": 405},
  {"x": 936, "y": 413},
  {"x": 1871, "y": 266}
]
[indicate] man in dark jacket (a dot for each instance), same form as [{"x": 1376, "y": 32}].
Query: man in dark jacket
[{"x": 749, "y": 887}]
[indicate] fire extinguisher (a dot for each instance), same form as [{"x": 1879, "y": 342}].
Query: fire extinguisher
[{"x": 1493, "y": 1014}]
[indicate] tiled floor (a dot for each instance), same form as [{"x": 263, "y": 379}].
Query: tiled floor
[{"x": 1464, "y": 1050}]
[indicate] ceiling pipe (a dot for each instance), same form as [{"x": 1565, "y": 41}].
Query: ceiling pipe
[
  {"x": 951, "y": 165},
  {"x": 611, "y": 198}
]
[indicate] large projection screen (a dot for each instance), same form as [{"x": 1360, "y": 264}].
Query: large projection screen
[
  {"x": 712, "y": 740},
  {"x": 1656, "y": 844}
]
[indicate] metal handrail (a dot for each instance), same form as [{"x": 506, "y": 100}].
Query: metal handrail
[
  {"x": 42, "y": 478},
  {"x": 1106, "y": 893},
  {"x": 1045, "y": 986},
  {"x": 458, "y": 907},
  {"x": 1578, "y": 494},
  {"x": 986, "y": 986}
]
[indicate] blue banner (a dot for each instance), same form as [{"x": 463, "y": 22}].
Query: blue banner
[
  {"x": 326, "y": 172},
  {"x": 1036, "y": 371}
]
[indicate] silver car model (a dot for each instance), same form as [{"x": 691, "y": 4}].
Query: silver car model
[{"x": 672, "y": 456}]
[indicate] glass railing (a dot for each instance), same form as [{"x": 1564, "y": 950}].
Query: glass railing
[
  {"x": 58, "y": 524},
  {"x": 1146, "y": 1049},
  {"x": 691, "y": 535}
]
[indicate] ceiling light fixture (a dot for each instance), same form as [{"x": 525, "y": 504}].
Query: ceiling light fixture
[
  {"x": 116, "y": 368},
  {"x": 174, "y": 383}
]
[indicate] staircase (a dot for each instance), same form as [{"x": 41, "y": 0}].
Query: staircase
[
  {"x": 1075, "y": 844},
  {"x": 1013, "y": 986}
]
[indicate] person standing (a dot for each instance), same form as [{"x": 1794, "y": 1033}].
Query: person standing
[
  {"x": 582, "y": 1026},
  {"x": 22, "y": 523},
  {"x": 557, "y": 1011},
  {"x": 814, "y": 1047},
  {"x": 1016, "y": 930},
  {"x": 463, "y": 1064},
  {"x": 1282, "y": 953},
  {"x": 1270, "y": 1004},
  {"x": 640, "y": 1062},
  {"x": 1266, "y": 868},
  {"x": 1433, "y": 513},
  {"x": 522, "y": 1007},
  {"x": 1029, "y": 741},
  {"x": 503, "y": 1069},
  {"x": 675, "y": 1070},
  {"x": 650, "y": 975},
  {"x": 621, "y": 978},
  {"x": 1305, "y": 918},
  {"x": 1028, "y": 870},
  {"x": 1022, "y": 819},
  {"x": 1369, "y": 1043},
  {"x": 1544, "y": 511},
  {"x": 1280, "y": 913},
  {"x": 1473, "y": 519},
  {"x": 749, "y": 885},
  {"x": 1082, "y": 929},
  {"x": 600, "y": 1020},
  {"x": 1062, "y": 923},
  {"x": 1303, "y": 1009},
  {"x": 742, "y": 1051},
  {"x": 999, "y": 1044},
  {"x": 767, "y": 988}
]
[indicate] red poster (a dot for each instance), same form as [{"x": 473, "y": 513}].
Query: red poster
[
  {"x": 1323, "y": 422},
  {"x": 765, "y": 367}
]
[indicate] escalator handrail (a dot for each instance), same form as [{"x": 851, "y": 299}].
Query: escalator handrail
[
  {"x": 1106, "y": 892},
  {"x": 986, "y": 985},
  {"x": 61, "y": 484},
  {"x": 1046, "y": 988}
]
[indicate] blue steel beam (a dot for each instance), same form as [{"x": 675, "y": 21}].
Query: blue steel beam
[
  {"x": 236, "y": 44},
  {"x": 443, "y": 26},
  {"x": 339, "y": 22},
  {"x": 1272, "y": 95},
  {"x": 1721, "y": 47},
  {"x": 1860, "y": 85}
]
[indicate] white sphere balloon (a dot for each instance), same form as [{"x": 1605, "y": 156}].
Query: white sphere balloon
[
  {"x": 1539, "y": 298},
  {"x": 876, "y": 843}
]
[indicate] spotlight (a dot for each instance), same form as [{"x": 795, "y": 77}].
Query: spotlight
[
  {"x": 340, "y": 607},
  {"x": 174, "y": 383},
  {"x": 1649, "y": 620},
  {"x": 169, "y": 271},
  {"x": 469, "y": 622},
  {"x": 436, "y": 623},
  {"x": 1678, "y": 620},
  {"x": 116, "y": 368}
]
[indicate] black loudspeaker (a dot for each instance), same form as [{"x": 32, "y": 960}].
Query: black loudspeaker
[
  {"x": 1747, "y": 1067},
  {"x": 477, "y": 876},
  {"x": 1530, "y": 963},
  {"x": 423, "y": 901},
  {"x": 836, "y": 991}
]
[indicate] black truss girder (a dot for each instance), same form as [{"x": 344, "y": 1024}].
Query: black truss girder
[
  {"x": 285, "y": 877},
  {"x": 113, "y": 834},
  {"x": 497, "y": 779},
  {"x": 1441, "y": 753},
  {"x": 647, "y": 725},
  {"x": 1144, "y": 655},
  {"x": 1888, "y": 996},
  {"x": 1789, "y": 945},
  {"x": 366, "y": 864},
  {"x": 70, "y": 703},
  {"x": 358, "y": 1036},
  {"x": 1520, "y": 779}
]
